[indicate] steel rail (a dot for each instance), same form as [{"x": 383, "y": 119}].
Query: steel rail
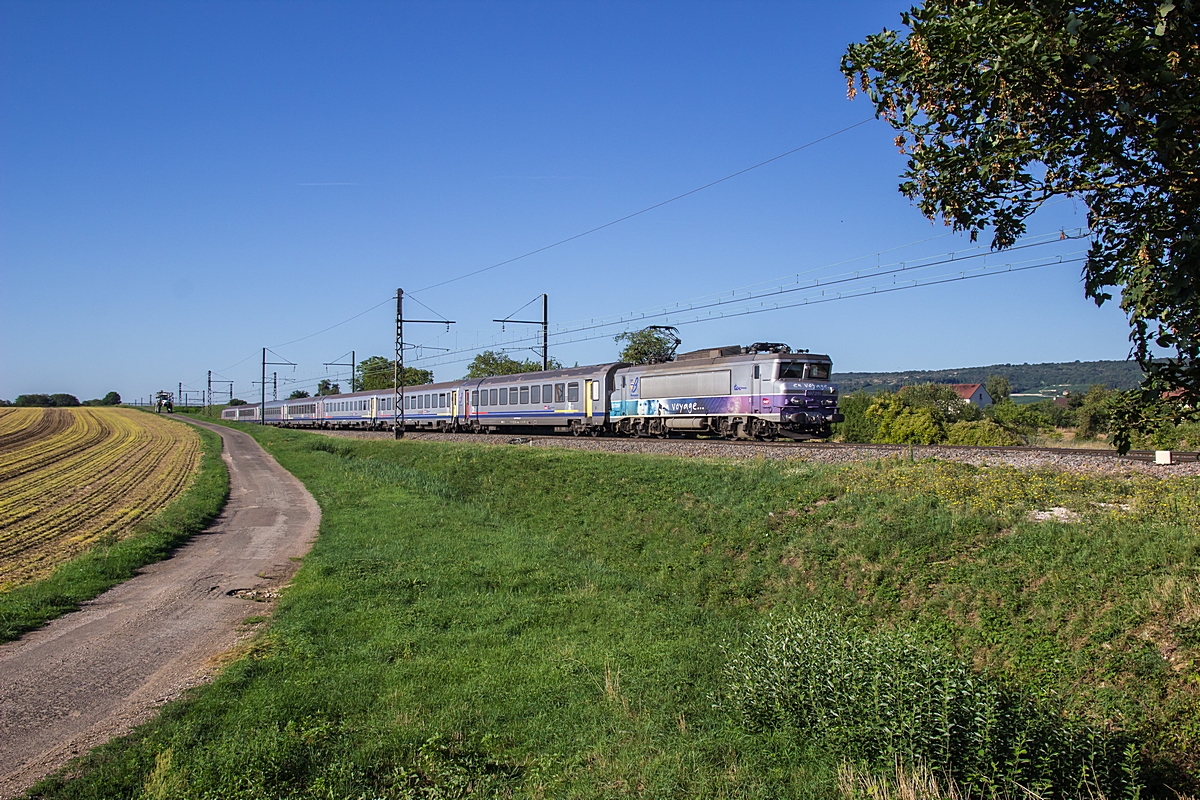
[{"x": 1178, "y": 457}]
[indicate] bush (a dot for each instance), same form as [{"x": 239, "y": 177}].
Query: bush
[
  {"x": 899, "y": 423},
  {"x": 879, "y": 698},
  {"x": 982, "y": 433},
  {"x": 858, "y": 427},
  {"x": 1018, "y": 420},
  {"x": 943, "y": 402},
  {"x": 1051, "y": 414},
  {"x": 1092, "y": 411},
  {"x": 1168, "y": 436}
]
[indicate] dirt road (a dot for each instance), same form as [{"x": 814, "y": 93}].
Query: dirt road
[{"x": 101, "y": 671}]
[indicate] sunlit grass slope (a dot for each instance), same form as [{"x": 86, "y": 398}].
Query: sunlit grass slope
[{"x": 481, "y": 620}]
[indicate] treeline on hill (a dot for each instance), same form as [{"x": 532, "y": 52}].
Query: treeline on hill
[
  {"x": 1021, "y": 377},
  {"x": 932, "y": 413},
  {"x": 61, "y": 400}
]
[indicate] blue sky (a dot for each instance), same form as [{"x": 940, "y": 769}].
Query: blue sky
[{"x": 182, "y": 184}]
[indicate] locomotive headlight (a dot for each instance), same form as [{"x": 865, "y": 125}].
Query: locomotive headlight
[{"x": 796, "y": 401}]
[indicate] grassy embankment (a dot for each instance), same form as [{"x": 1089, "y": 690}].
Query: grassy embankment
[
  {"x": 479, "y": 620},
  {"x": 113, "y": 560}
]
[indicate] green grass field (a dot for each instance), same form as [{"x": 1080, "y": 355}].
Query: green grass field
[{"x": 510, "y": 621}]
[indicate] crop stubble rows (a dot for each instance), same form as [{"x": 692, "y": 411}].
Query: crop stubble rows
[{"x": 69, "y": 477}]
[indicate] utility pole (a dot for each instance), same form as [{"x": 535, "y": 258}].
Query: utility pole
[
  {"x": 179, "y": 394},
  {"x": 208, "y": 396},
  {"x": 544, "y": 322},
  {"x": 398, "y": 370},
  {"x": 274, "y": 385},
  {"x": 262, "y": 409},
  {"x": 398, "y": 364}
]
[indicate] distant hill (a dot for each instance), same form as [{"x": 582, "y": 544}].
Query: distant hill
[{"x": 1024, "y": 378}]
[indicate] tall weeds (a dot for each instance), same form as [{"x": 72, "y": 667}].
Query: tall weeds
[{"x": 877, "y": 698}]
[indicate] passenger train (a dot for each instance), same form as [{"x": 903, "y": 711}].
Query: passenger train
[{"x": 763, "y": 391}]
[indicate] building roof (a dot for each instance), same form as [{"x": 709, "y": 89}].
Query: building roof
[{"x": 965, "y": 390}]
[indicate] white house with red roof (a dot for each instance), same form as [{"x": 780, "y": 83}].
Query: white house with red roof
[{"x": 973, "y": 393}]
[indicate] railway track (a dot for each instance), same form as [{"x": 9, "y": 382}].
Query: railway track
[
  {"x": 1144, "y": 456},
  {"x": 1132, "y": 455}
]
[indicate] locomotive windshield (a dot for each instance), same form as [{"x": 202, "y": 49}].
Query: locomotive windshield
[{"x": 799, "y": 370}]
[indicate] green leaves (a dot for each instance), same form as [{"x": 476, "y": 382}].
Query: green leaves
[{"x": 1006, "y": 104}]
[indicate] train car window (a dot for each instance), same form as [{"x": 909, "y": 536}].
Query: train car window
[
  {"x": 560, "y": 393},
  {"x": 492, "y": 394},
  {"x": 622, "y": 381},
  {"x": 595, "y": 390},
  {"x": 483, "y": 397},
  {"x": 572, "y": 392},
  {"x": 546, "y": 393},
  {"x": 791, "y": 371},
  {"x": 817, "y": 372},
  {"x": 757, "y": 371},
  {"x": 504, "y": 397},
  {"x": 441, "y": 401},
  {"x": 535, "y": 394},
  {"x": 524, "y": 395},
  {"x": 512, "y": 395},
  {"x": 474, "y": 397}
]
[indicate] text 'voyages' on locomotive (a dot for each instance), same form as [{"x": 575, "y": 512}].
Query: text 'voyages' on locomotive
[{"x": 763, "y": 391}]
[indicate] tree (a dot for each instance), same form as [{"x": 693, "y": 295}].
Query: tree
[
  {"x": 42, "y": 400},
  {"x": 237, "y": 402},
  {"x": 1002, "y": 105},
  {"x": 299, "y": 394},
  {"x": 997, "y": 387},
  {"x": 377, "y": 372},
  {"x": 653, "y": 345},
  {"x": 325, "y": 388},
  {"x": 110, "y": 399},
  {"x": 60, "y": 400},
  {"x": 900, "y": 423},
  {"x": 489, "y": 363}
]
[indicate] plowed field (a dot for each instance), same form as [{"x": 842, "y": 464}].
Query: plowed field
[{"x": 71, "y": 477}]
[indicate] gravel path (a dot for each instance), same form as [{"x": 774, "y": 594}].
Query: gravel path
[
  {"x": 95, "y": 674},
  {"x": 822, "y": 454}
]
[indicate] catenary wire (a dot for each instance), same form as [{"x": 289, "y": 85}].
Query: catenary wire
[{"x": 647, "y": 209}]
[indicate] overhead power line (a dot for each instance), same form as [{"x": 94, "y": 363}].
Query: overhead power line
[
  {"x": 981, "y": 272},
  {"x": 737, "y": 297},
  {"x": 645, "y": 210}
]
